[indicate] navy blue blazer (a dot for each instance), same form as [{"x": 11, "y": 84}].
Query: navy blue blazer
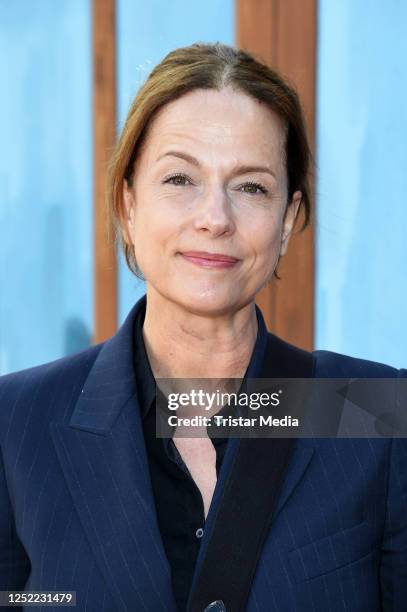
[{"x": 77, "y": 510}]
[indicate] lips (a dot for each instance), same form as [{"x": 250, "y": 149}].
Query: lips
[{"x": 210, "y": 256}]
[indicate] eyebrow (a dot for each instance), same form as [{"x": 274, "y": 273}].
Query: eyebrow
[{"x": 241, "y": 169}]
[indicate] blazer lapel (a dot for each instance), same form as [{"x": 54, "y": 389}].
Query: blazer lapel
[
  {"x": 103, "y": 457},
  {"x": 283, "y": 360},
  {"x": 245, "y": 494}
]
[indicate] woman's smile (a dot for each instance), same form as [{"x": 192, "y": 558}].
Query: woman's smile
[{"x": 208, "y": 260}]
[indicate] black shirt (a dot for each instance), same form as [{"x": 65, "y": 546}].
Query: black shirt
[{"x": 178, "y": 500}]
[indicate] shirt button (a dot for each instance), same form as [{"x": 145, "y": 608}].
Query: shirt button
[
  {"x": 199, "y": 532},
  {"x": 216, "y": 606}
]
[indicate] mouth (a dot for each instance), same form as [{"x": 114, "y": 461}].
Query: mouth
[{"x": 210, "y": 260}]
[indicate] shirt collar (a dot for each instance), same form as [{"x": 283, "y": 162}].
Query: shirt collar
[{"x": 146, "y": 387}]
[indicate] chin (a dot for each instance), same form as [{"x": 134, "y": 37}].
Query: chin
[{"x": 206, "y": 303}]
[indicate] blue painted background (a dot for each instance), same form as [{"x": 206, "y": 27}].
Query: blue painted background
[
  {"x": 46, "y": 250},
  {"x": 46, "y": 236},
  {"x": 361, "y": 278}
]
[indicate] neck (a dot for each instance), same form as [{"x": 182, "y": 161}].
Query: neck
[{"x": 181, "y": 343}]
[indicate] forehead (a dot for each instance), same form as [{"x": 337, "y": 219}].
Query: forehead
[{"x": 227, "y": 122}]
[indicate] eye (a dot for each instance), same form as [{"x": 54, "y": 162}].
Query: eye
[
  {"x": 255, "y": 186},
  {"x": 178, "y": 180}
]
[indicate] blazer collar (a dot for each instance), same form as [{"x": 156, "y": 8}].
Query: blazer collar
[{"x": 112, "y": 381}]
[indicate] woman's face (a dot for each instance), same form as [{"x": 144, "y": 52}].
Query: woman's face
[{"x": 211, "y": 178}]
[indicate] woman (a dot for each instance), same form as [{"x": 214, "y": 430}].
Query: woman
[{"x": 206, "y": 183}]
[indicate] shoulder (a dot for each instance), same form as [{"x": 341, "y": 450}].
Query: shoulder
[
  {"x": 49, "y": 386},
  {"x": 291, "y": 360},
  {"x": 330, "y": 363},
  {"x": 52, "y": 371}
]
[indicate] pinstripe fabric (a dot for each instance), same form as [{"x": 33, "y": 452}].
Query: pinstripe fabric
[{"x": 77, "y": 511}]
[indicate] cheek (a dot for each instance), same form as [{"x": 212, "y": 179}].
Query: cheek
[
  {"x": 153, "y": 235},
  {"x": 264, "y": 236}
]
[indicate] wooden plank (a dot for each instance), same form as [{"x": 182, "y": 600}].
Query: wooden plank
[
  {"x": 254, "y": 27},
  {"x": 104, "y": 134},
  {"x": 283, "y": 34}
]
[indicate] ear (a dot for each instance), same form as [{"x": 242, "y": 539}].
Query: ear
[
  {"x": 128, "y": 212},
  {"x": 289, "y": 219}
]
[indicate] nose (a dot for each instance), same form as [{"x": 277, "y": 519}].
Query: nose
[{"x": 214, "y": 213}]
